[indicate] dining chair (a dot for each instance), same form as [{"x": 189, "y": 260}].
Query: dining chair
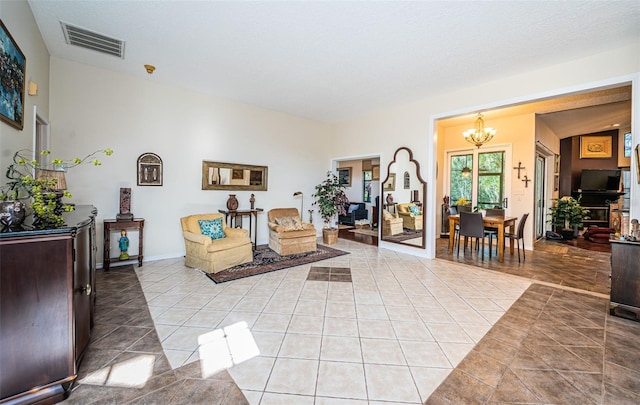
[
  {"x": 471, "y": 225},
  {"x": 494, "y": 212},
  {"x": 519, "y": 235},
  {"x": 454, "y": 211}
]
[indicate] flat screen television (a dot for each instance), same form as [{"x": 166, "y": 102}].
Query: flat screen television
[{"x": 600, "y": 180}]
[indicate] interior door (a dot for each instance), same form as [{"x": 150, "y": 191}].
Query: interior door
[{"x": 539, "y": 196}]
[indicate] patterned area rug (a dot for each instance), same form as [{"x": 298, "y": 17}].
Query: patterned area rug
[
  {"x": 407, "y": 234},
  {"x": 266, "y": 260}
]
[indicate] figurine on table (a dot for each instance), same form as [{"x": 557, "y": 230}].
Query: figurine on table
[{"x": 124, "y": 245}]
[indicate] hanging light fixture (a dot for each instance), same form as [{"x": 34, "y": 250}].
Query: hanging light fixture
[
  {"x": 466, "y": 172},
  {"x": 479, "y": 135}
]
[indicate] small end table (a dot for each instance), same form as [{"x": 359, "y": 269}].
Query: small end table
[{"x": 112, "y": 225}]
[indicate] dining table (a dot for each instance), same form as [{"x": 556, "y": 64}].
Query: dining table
[{"x": 498, "y": 222}]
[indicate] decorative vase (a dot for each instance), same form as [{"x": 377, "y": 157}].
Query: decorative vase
[
  {"x": 389, "y": 198},
  {"x": 330, "y": 236},
  {"x": 232, "y": 202},
  {"x": 12, "y": 214}
]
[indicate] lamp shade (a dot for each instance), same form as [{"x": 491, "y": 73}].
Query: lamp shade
[{"x": 56, "y": 177}]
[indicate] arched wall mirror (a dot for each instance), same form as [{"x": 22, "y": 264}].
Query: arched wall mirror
[{"x": 401, "y": 219}]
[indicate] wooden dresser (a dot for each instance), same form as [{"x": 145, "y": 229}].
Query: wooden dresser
[{"x": 47, "y": 296}]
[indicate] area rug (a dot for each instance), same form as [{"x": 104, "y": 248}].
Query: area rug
[
  {"x": 266, "y": 260},
  {"x": 407, "y": 234},
  {"x": 369, "y": 232}
]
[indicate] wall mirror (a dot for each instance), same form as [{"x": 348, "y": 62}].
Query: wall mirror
[
  {"x": 402, "y": 220},
  {"x": 232, "y": 176}
]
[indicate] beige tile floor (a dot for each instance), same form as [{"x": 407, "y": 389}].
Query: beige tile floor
[{"x": 393, "y": 334}]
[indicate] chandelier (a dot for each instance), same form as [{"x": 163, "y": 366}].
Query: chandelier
[{"x": 479, "y": 135}]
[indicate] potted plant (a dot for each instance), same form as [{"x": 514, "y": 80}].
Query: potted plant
[
  {"x": 331, "y": 199},
  {"x": 42, "y": 192},
  {"x": 462, "y": 204},
  {"x": 567, "y": 215}
]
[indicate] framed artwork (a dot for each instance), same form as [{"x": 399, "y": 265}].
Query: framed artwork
[
  {"x": 595, "y": 147},
  {"x": 390, "y": 184},
  {"x": 375, "y": 173},
  {"x": 344, "y": 175},
  {"x": 556, "y": 182},
  {"x": 149, "y": 170},
  {"x": 233, "y": 176},
  {"x": 556, "y": 163},
  {"x": 627, "y": 145},
  {"x": 12, "y": 76}
]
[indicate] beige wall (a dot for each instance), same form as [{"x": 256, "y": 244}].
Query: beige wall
[
  {"x": 93, "y": 108},
  {"x": 413, "y": 124},
  {"x": 17, "y": 17}
]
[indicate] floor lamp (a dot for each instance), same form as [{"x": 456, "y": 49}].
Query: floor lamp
[{"x": 299, "y": 193}]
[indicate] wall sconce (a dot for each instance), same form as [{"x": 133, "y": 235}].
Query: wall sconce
[{"x": 299, "y": 193}]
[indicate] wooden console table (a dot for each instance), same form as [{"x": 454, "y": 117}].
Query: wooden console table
[
  {"x": 233, "y": 218},
  {"x": 111, "y": 225}
]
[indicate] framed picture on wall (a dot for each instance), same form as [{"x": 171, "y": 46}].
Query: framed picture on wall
[
  {"x": 149, "y": 170},
  {"x": 344, "y": 175},
  {"x": 12, "y": 77},
  {"x": 556, "y": 163},
  {"x": 595, "y": 147},
  {"x": 627, "y": 145}
]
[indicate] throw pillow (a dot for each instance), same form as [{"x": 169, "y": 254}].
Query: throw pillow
[
  {"x": 353, "y": 207},
  {"x": 212, "y": 228},
  {"x": 290, "y": 223},
  {"x": 414, "y": 210}
]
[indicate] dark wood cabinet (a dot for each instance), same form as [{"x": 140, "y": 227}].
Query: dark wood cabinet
[
  {"x": 47, "y": 285},
  {"x": 625, "y": 279}
]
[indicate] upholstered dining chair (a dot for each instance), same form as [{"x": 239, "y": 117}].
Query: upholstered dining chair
[
  {"x": 472, "y": 225},
  {"x": 519, "y": 236},
  {"x": 494, "y": 212}
]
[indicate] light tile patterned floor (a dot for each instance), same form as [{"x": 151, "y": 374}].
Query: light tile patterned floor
[{"x": 393, "y": 334}]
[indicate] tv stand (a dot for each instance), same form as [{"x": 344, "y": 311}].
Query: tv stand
[{"x": 598, "y": 203}]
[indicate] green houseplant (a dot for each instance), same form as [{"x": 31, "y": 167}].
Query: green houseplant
[
  {"x": 331, "y": 199},
  {"x": 24, "y": 183},
  {"x": 567, "y": 215}
]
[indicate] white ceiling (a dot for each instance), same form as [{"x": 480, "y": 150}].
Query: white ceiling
[{"x": 333, "y": 60}]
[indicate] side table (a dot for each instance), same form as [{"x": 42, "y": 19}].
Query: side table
[
  {"x": 111, "y": 225},
  {"x": 232, "y": 216}
]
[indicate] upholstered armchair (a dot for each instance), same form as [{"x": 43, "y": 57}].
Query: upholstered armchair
[
  {"x": 288, "y": 234},
  {"x": 391, "y": 224},
  {"x": 411, "y": 215},
  {"x": 213, "y": 255}
]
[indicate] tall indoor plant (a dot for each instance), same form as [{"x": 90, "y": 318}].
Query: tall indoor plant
[
  {"x": 331, "y": 199},
  {"x": 567, "y": 215}
]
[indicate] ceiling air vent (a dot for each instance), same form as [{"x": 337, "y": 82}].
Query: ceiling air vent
[{"x": 92, "y": 40}]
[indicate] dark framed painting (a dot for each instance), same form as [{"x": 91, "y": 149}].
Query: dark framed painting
[
  {"x": 12, "y": 77},
  {"x": 344, "y": 174},
  {"x": 149, "y": 170}
]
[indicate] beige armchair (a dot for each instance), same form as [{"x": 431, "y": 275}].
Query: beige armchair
[
  {"x": 287, "y": 234},
  {"x": 214, "y": 255},
  {"x": 392, "y": 224},
  {"x": 409, "y": 220}
]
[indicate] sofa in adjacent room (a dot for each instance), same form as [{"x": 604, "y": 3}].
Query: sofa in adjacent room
[{"x": 355, "y": 212}]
